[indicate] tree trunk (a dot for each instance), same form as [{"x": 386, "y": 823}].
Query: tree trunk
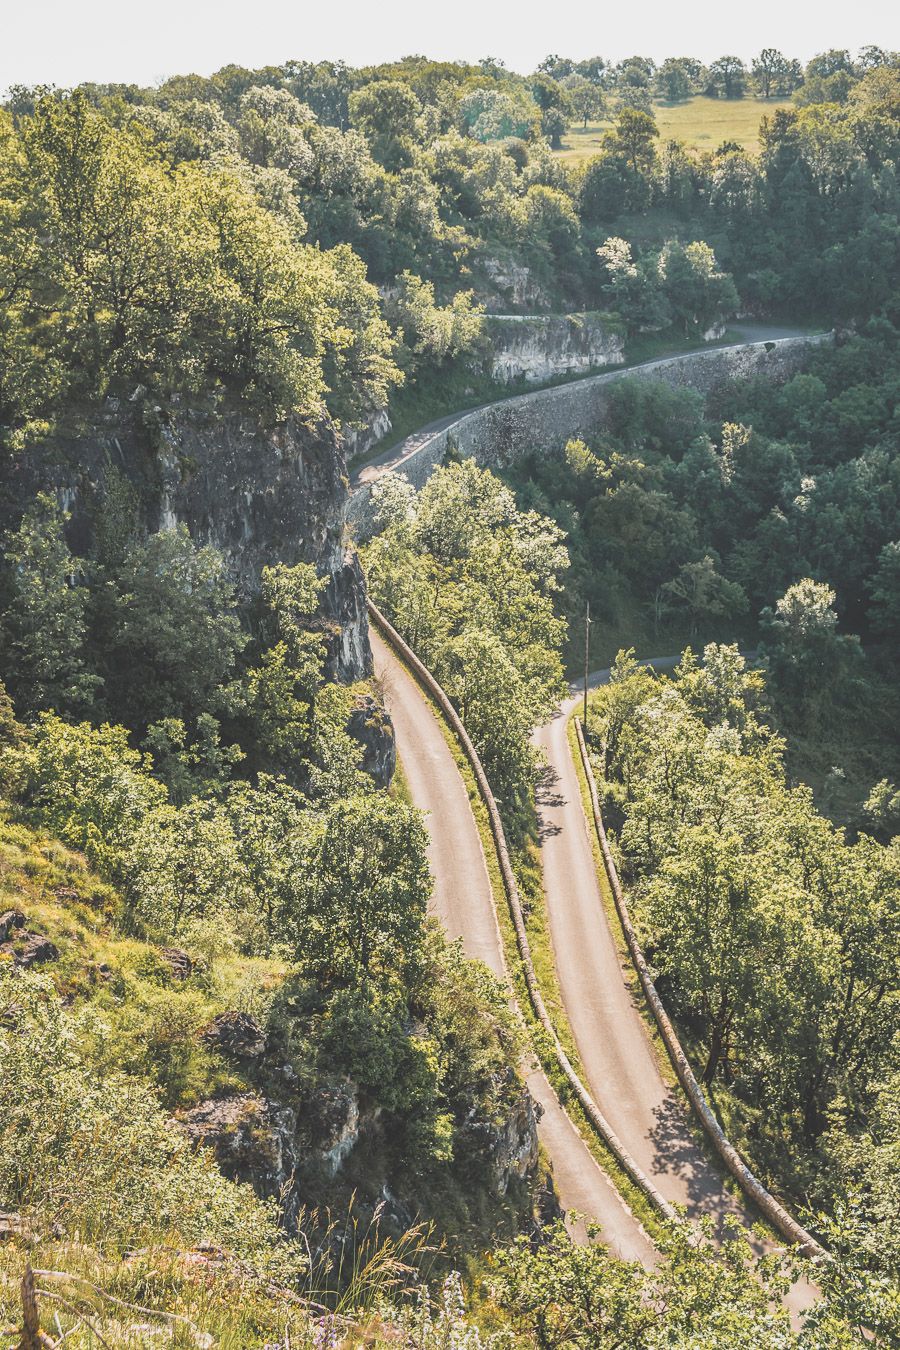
[
  {"x": 715, "y": 1054},
  {"x": 31, "y": 1326}
]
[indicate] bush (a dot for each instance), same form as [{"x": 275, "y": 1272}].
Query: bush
[{"x": 96, "y": 1153}]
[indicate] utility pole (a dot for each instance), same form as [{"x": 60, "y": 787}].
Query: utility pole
[{"x": 587, "y": 642}]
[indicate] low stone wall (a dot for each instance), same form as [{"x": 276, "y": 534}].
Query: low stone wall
[
  {"x": 542, "y": 347},
  {"x": 544, "y": 420}
]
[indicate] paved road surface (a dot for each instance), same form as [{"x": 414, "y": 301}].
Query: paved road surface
[
  {"x": 619, "y": 1060},
  {"x": 462, "y": 900}
]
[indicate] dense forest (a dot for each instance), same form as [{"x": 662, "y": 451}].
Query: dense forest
[
  {"x": 766, "y": 513},
  {"x": 249, "y": 1087},
  {"x": 225, "y": 236}
]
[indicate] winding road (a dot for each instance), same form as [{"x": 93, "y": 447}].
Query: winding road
[
  {"x": 604, "y": 1006},
  {"x": 463, "y": 901},
  {"x": 620, "y": 1062},
  {"x": 395, "y": 456}
]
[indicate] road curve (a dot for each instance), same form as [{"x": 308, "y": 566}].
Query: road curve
[
  {"x": 619, "y": 1059},
  {"x": 463, "y": 901},
  {"x": 620, "y": 1062}
]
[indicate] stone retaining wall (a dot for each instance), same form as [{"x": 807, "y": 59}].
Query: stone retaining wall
[{"x": 546, "y": 419}]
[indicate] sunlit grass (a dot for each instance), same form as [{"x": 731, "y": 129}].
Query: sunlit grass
[{"x": 700, "y": 122}]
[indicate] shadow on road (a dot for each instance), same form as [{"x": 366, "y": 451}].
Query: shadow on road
[
  {"x": 548, "y": 797},
  {"x": 677, "y": 1152}
]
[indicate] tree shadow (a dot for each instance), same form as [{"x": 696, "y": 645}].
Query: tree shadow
[
  {"x": 678, "y": 1152},
  {"x": 548, "y": 797}
]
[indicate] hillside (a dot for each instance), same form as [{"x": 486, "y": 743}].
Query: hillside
[
  {"x": 701, "y": 123},
  {"x": 254, "y": 1093}
]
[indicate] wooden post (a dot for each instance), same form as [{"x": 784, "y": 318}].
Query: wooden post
[
  {"x": 587, "y": 638},
  {"x": 31, "y": 1326}
]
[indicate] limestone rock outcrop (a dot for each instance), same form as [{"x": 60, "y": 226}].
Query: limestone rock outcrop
[
  {"x": 541, "y": 348},
  {"x": 253, "y": 1139},
  {"x": 370, "y": 724},
  {"x": 21, "y": 946},
  {"x": 510, "y": 1145},
  {"x": 260, "y": 494},
  {"x": 237, "y": 1035}
]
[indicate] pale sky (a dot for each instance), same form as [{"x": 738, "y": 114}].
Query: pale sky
[{"x": 63, "y": 42}]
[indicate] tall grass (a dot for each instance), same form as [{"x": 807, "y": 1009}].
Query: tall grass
[{"x": 358, "y": 1279}]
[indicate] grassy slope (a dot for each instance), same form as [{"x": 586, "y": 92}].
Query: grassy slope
[
  {"x": 153, "y": 1017},
  {"x": 701, "y": 122},
  {"x": 150, "y": 1015},
  {"x": 154, "y": 1020}
]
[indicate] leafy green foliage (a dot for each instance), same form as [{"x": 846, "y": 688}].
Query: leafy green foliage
[
  {"x": 469, "y": 580},
  {"x": 807, "y": 657},
  {"x": 433, "y": 333},
  {"x": 122, "y": 270},
  {"x": 173, "y": 620},
  {"x": 775, "y": 937},
  {"x": 99, "y": 1155},
  {"x": 44, "y": 623},
  {"x": 559, "y": 1294},
  {"x": 221, "y": 684},
  {"x": 368, "y": 885},
  {"x": 681, "y": 285}
]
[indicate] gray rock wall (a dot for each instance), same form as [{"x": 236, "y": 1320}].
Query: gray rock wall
[
  {"x": 359, "y": 440},
  {"x": 546, "y": 419},
  {"x": 260, "y": 495},
  {"x": 504, "y": 282},
  {"x": 533, "y": 347},
  {"x": 542, "y": 347}
]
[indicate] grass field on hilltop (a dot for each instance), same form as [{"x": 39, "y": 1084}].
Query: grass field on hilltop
[{"x": 701, "y": 122}]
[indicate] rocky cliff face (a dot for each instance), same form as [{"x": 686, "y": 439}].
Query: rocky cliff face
[
  {"x": 371, "y": 725},
  {"x": 289, "y": 1140},
  {"x": 359, "y": 440},
  {"x": 538, "y": 348},
  {"x": 503, "y": 283},
  {"x": 253, "y": 1139},
  {"x": 289, "y": 1150},
  {"x": 260, "y": 495},
  {"x": 511, "y": 1145}
]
